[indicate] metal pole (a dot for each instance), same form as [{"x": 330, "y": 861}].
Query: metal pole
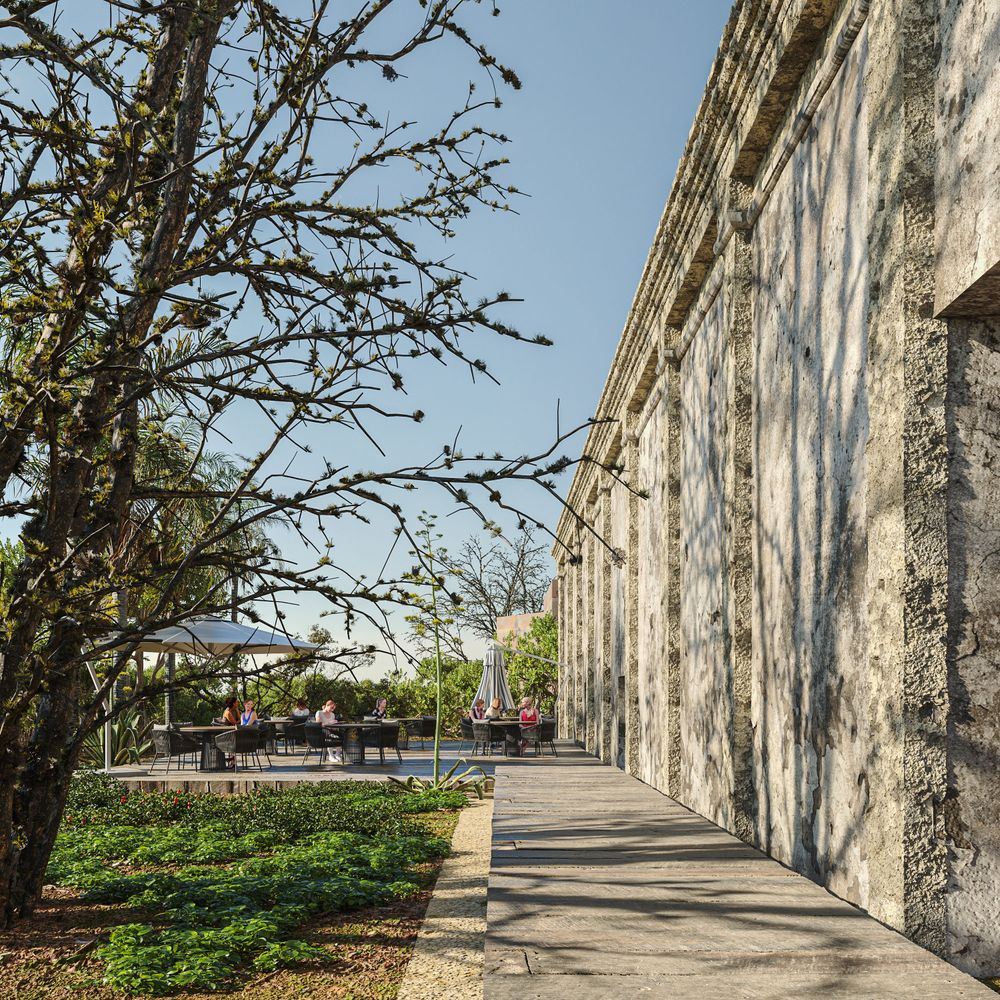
[
  {"x": 168, "y": 694},
  {"x": 107, "y": 724}
]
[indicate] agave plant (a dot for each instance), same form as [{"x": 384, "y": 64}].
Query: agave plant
[
  {"x": 464, "y": 781},
  {"x": 130, "y": 740}
]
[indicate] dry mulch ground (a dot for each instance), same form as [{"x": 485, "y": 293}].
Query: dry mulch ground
[{"x": 48, "y": 957}]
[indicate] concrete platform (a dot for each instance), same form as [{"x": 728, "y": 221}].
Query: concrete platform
[
  {"x": 287, "y": 770},
  {"x": 601, "y": 887}
]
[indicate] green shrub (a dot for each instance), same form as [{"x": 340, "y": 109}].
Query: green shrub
[
  {"x": 226, "y": 918},
  {"x": 228, "y": 879},
  {"x": 362, "y": 807}
]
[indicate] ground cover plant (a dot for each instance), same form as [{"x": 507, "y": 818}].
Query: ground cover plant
[{"x": 217, "y": 887}]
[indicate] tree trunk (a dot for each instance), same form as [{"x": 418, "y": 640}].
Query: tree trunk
[
  {"x": 34, "y": 783},
  {"x": 31, "y": 833}
]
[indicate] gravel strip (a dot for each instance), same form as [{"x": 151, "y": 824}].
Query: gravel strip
[{"x": 447, "y": 962}]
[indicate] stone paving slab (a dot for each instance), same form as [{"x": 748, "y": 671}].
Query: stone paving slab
[{"x": 601, "y": 887}]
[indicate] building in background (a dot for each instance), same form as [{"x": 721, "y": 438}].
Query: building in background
[
  {"x": 512, "y": 626},
  {"x": 799, "y": 635}
]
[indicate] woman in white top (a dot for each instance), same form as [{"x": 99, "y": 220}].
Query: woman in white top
[
  {"x": 495, "y": 710},
  {"x": 327, "y": 715}
]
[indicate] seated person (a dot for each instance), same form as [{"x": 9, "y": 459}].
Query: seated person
[
  {"x": 529, "y": 720},
  {"x": 327, "y": 715},
  {"x": 301, "y": 711},
  {"x": 381, "y": 709},
  {"x": 231, "y": 712},
  {"x": 248, "y": 717},
  {"x": 495, "y": 710},
  {"x": 231, "y": 717},
  {"x": 478, "y": 710}
]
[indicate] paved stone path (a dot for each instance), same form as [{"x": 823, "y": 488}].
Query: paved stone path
[
  {"x": 601, "y": 887},
  {"x": 447, "y": 961}
]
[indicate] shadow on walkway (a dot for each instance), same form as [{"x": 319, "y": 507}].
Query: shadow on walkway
[{"x": 602, "y": 887}]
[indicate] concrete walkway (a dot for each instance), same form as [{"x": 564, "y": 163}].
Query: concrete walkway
[{"x": 601, "y": 887}]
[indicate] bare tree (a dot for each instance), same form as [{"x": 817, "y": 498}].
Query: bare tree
[
  {"x": 499, "y": 577},
  {"x": 203, "y": 219}
]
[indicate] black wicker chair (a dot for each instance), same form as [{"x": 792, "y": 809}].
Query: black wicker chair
[
  {"x": 388, "y": 739},
  {"x": 482, "y": 736},
  {"x": 269, "y": 734},
  {"x": 422, "y": 729},
  {"x": 465, "y": 724},
  {"x": 291, "y": 734},
  {"x": 318, "y": 740},
  {"x": 168, "y": 743},
  {"x": 244, "y": 742},
  {"x": 537, "y": 736}
]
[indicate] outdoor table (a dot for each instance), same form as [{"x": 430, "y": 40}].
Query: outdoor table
[
  {"x": 358, "y": 750},
  {"x": 512, "y": 745},
  {"x": 212, "y": 758}
]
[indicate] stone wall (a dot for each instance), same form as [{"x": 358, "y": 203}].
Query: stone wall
[
  {"x": 706, "y": 688},
  {"x": 968, "y": 165},
  {"x": 972, "y": 808},
  {"x": 794, "y": 612},
  {"x": 810, "y": 429}
]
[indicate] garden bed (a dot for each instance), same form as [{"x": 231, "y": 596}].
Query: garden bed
[{"x": 314, "y": 890}]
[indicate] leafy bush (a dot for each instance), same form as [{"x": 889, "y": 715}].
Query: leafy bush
[
  {"x": 362, "y": 807},
  {"x": 228, "y": 879},
  {"x": 226, "y": 917}
]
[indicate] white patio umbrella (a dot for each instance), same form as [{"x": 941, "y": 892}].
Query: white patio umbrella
[
  {"x": 494, "y": 682},
  {"x": 209, "y": 636},
  {"x": 221, "y": 637}
]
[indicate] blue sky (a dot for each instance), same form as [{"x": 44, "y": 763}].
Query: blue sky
[{"x": 609, "y": 93}]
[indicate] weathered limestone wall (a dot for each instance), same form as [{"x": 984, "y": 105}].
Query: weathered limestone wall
[
  {"x": 706, "y": 627},
  {"x": 968, "y": 165},
  {"x": 972, "y": 808},
  {"x": 794, "y": 628},
  {"x": 653, "y": 571},
  {"x": 810, "y": 665}
]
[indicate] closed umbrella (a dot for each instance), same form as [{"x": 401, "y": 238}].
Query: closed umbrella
[{"x": 494, "y": 683}]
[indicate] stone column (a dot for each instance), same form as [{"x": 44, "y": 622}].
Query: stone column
[
  {"x": 907, "y": 478},
  {"x": 972, "y": 807},
  {"x": 739, "y": 491},
  {"x": 593, "y": 639},
  {"x": 609, "y": 739},
  {"x": 572, "y": 655},
  {"x": 631, "y": 708},
  {"x": 672, "y": 388},
  {"x": 580, "y": 649},
  {"x": 564, "y": 658}
]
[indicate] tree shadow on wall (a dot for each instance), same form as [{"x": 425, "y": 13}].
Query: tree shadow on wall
[{"x": 811, "y": 424}]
